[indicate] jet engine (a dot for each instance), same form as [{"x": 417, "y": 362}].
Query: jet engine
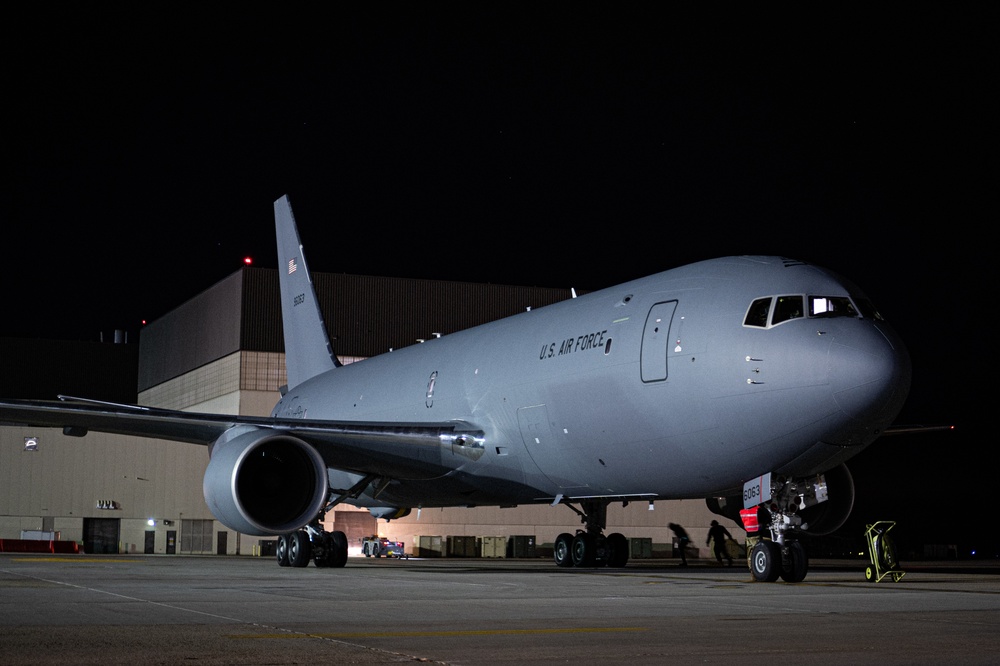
[
  {"x": 827, "y": 517},
  {"x": 264, "y": 483}
]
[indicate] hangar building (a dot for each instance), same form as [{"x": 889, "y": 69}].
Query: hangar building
[{"x": 222, "y": 352}]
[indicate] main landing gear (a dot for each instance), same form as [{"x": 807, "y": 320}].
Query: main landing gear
[
  {"x": 589, "y": 547},
  {"x": 326, "y": 549}
]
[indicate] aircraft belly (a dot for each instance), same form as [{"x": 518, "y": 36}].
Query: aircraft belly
[{"x": 459, "y": 489}]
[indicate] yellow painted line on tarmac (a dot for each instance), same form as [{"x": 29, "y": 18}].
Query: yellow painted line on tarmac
[{"x": 467, "y": 632}]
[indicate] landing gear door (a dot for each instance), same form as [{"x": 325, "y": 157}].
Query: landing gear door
[{"x": 656, "y": 341}]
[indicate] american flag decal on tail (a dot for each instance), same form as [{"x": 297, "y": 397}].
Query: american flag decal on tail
[{"x": 292, "y": 266}]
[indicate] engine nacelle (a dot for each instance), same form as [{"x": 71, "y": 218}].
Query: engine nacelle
[
  {"x": 827, "y": 517},
  {"x": 265, "y": 483}
]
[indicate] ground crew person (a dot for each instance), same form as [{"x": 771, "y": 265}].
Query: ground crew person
[
  {"x": 682, "y": 541},
  {"x": 720, "y": 534}
]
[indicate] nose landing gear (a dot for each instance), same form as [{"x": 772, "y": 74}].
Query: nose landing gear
[{"x": 770, "y": 560}]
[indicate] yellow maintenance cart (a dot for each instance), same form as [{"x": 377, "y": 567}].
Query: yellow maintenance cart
[{"x": 882, "y": 552}]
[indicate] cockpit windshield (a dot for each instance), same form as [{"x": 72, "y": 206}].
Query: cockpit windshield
[
  {"x": 773, "y": 310},
  {"x": 831, "y": 306}
]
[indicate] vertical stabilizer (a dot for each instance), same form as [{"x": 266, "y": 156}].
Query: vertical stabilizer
[{"x": 307, "y": 346}]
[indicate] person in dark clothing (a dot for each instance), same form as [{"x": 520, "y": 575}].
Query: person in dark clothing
[
  {"x": 720, "y": 535},
  {"x": 682, "y": 541}
]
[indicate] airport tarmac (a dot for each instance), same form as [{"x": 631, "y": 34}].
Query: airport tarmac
[{"x": 85, "y": 609}]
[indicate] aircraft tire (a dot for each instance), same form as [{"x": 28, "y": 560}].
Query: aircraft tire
[
  {"x": 618, "y": 545},
  {"x": 299, "y": 549},
  {"x": 584, "y": 550},
  {"x": 282, "y": 550},
  {"x": 765, "y": 561},
  {"x": 337, "y": 548},
  {"x": 562, "y": 550},
  {"x": 798, "y": 564},
  {"x": 327, "y": 556}
]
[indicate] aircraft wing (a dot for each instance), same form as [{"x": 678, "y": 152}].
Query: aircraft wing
[
  {"x": 403, "y": 450},
  {"x": 77, "y": 416}
]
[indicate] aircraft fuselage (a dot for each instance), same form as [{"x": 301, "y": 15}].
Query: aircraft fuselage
[{"x": 658, "y": 388}]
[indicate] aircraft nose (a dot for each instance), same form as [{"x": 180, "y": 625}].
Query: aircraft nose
[{"x": 870, "y": 375}]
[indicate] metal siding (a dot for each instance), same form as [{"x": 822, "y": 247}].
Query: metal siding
[
  {"x": 202, "y": 330},
  {"x": 260, "y": 312}
]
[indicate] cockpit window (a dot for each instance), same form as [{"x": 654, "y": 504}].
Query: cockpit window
[
  {"x": 784, "y": 308},
  {"x": 868, "y": 310},
  {"x": 757, "y": 314},
  {"x": 787, "y": 307},
  {"x": 831, "y": 306}
]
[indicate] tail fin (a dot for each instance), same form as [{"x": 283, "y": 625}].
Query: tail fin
[{"x": 307, "y": 345}]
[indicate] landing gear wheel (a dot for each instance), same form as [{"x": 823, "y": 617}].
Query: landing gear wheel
[
  {"x": 338, "y": 549},
  {"x": 765, "y": 561},
  {"x": 618, "y": 545},
  {"x": 299, "y": 549},
  {"x": 334, "y": 553},
  {"x": 794, "y": 569},
  {"x": 563, "y": 549},
  {"x": 282, "y": 550},
  {"x": 584, "y": 550},
  {"x": 869, "y": 574},
  {"x": 329, "y": 555},
  {"x": 321, "y": 556}
]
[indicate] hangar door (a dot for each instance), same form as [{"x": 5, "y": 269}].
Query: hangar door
[{"x": 100, "y": 535}]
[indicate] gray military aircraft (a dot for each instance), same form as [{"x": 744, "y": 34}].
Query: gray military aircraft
[{"x": 743, "y": 381}]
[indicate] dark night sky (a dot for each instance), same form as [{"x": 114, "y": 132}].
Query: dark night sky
[{"x": 572, "y": 147}]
